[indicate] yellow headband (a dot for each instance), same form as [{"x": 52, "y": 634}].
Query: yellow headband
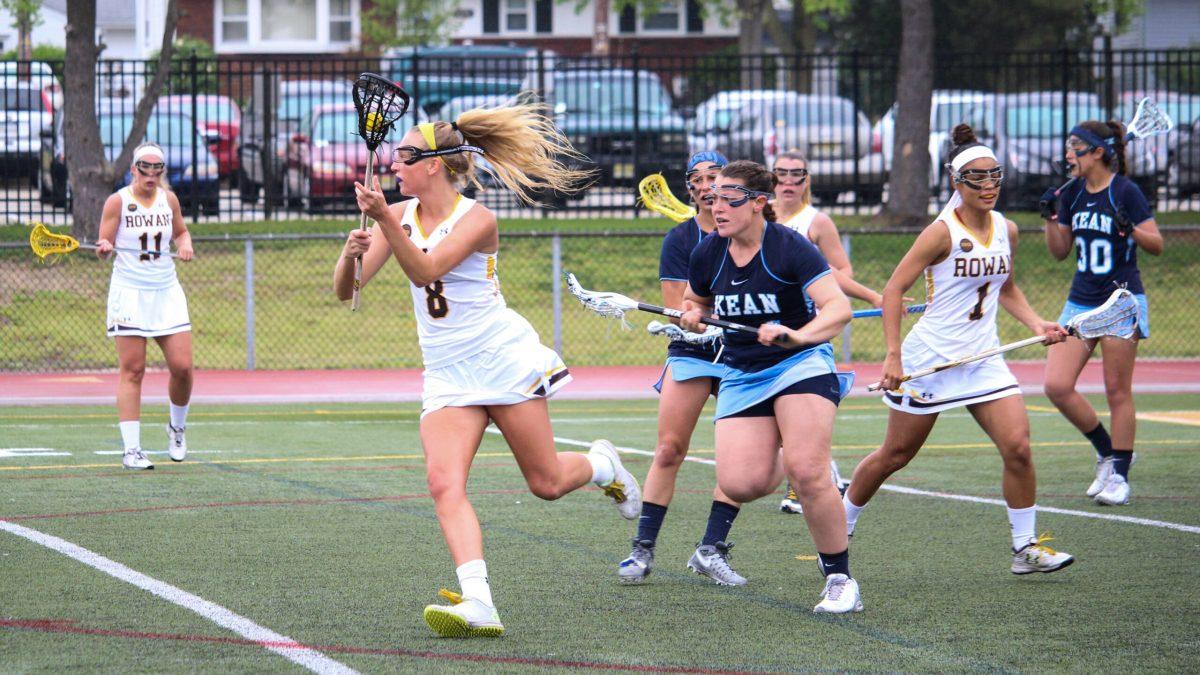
[{"x": 431, "y": 140}]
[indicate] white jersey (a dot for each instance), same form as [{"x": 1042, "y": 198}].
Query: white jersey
[
  {"x": 463, "y": 312},
  {"x": 962, "y": 292},
  {"x": 802, "y": 220},
  {"x": 147, "y": 228}
]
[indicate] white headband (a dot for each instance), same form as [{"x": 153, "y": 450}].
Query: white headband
[
  {"x": 970, "y": 155},
  {"x": 149, "y": 149}
]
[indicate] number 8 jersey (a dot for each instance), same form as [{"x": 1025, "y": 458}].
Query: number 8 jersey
[
  {"x": 463, "y": 312},
  {"x": 147, "y": 228},
  {"x": 962, "y": 292}
]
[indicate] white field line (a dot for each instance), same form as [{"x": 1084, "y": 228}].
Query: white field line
[
  {"x": 940, "y": 495},
  {"x": 269, "y": 639}
]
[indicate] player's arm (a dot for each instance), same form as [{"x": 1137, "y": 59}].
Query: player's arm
[
  {"x": 373, "y": 248},
  {"x": 672, "y": 294},
  {"x": 110, "y": 220},
  {"x": 829, "y": 243},
  {"x": 1058, "y": 234},
  {"x": 1013, "y": 299},
  {"x": 695, "y": 306},
  {"x": 179, "y": 229},
  {"x": 931, "y": 247},
  {"x": 1147, "y": 237},
  {"x": 833, "y": 316}
]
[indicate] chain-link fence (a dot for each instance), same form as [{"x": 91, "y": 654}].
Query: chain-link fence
[
  {"x": 273, "y": 138},
  {"x": 266, "y": 302}
]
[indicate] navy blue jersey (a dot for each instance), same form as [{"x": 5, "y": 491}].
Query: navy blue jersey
[
  {"x": 1105, "y": 261},
  {"x": 768, "y": 289},
  {"x": 677, "y": 249}
]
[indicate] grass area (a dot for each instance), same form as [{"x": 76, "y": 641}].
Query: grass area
[{"x": 315, "y": 524}]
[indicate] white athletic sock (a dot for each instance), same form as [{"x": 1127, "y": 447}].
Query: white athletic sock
[
  {"x": 852, "y": 512},
  {"x": 603, "y": 471},
  {"x": 131, "y": 434},
  {"x": 473, "y": 580},
  {"x": 179, "y": 415},
  {"x": 1024, "y": 524}
]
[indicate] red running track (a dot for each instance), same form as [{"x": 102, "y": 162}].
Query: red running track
[{"x": 362, "y": 386}]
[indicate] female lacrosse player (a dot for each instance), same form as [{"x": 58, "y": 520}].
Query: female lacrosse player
[
  {"x": 793, "y": 204},
  {"x": 483, "y": 361},
  {"x": 691, "y": 374},
  {"x": 779, "y": 387},
  {"x": 966, "y": 256},
  {"x": 1105, "y": 218},
  {"x": 145, "y": 299}
]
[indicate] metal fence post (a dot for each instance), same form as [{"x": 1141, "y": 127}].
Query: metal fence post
[
  {"x": 556, "y": 290},
  {"x": 637, "y": 124},
  {"x": 193, "y": 189},
  {"x": 846, "y": 332},
  {"x": 249, "y": 304}
]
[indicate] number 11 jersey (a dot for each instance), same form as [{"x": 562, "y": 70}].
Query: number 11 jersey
[{"x": 146, "y": 228}]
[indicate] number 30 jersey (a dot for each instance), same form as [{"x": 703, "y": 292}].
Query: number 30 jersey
[
  {"x": 464, "y": 311},
  {"x": 962, "y": 292},
  {"x": 147, "y": 228}
]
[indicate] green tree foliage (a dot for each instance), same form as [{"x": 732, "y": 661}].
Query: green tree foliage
[
  {"x": 408, "y": 23},
  {"x": 180, "y": 80}
]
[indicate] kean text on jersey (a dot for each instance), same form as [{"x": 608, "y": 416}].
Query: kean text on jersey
[
  {"x": 744, "y": 304},
  {"x": 1086, "y": 220}
]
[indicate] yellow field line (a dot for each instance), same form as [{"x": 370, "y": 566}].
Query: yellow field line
[
  {"x": 1189, "y": 418},
  {"x": 257, "y": 460}
]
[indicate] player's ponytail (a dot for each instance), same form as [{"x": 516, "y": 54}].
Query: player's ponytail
[
  {"x": 1118, "y": 132},
  {"x": 756, "y": 177},
  {"x": 524, "y": 148},
  {"x": 963, "y": 137}
]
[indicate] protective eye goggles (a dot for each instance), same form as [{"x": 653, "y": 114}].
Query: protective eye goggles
[
  {"x": 1078, "y": 146},
  {"x": 791, "y": 176},
  {"x": 710, "y": 174},
  {"x": 735, "y": 195},
  {"x": 410, "y": 154},
  {"x": 979, "y": 179},
  {"x": 150, "y": 168}
]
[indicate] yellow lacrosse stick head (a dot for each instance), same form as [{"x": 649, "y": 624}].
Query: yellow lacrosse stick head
[
  {"x": 657, "y": 196},
  {"x": 46, "y": 243}
]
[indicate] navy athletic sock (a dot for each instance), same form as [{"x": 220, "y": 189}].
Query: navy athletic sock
[
  {"x": 720, "y": 519},
  {"x": 650, "y": 521},
  {"x": 834, "y": 563},
  {"x": 1121, "y": 461},
  {"x": 1100, "y": 440}
]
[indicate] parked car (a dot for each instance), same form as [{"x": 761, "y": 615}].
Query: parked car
[
  {"x": 434, "y": 75},
  {"x": 1186, "y": 173},
  {"x": 326, "y": 156},
  {"x": 221, "y": 119},
  {"x": 948, "y": 108},
  {"x": 832, "y": 134},
  {"x": 271, "y": 118},
  {"x": 25, "y": 115},
  {"x": 1027, "y": 131},
  {"x": 595, "y": 110},
  {"x": 710, "y": 125}
]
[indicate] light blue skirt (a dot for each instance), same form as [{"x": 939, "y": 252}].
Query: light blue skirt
[
  {"x": 740, "y": 389},
  {"x": 688, "y": 368},
  {"x": 1070, "y": 309}
]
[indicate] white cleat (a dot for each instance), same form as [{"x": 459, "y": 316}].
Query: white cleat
[
  {"x": 463, "y": 618},
  {"x": 791, "y": 503},
  {"x": 840, "y": 596},
  {"x": 176, "y": 443},
  {"x": 134, "y": 459},
  {"x": 1104, "y": 467},
  {"x": 1115, "y": 492},
  {"x": 1037, "y": 557},
  {"x": 624, "y": 488}
]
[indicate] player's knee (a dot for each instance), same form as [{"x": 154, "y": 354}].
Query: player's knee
[
  {"x": 670, "y": 453},
  {"x": 809, "y": 480},
  {"x": 543, "y": 487},
  {"x": 1057, "y": 390},
  {"x": 443, "y": 486},
  {"x": 1017, "y": 454},
  {"x": 180, "y": 371},
  {"x": 746, "y": 488},
  {"x": 895, "y": 459},
  {"x": 1117, "y": 391},
  {"x": 133, "y": 372}
]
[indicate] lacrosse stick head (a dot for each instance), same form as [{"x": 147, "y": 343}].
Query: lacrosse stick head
[
  {"x": 1149, "y": 120},
  {"x": 46, "y": 243},
  {"x": 656, "y": 195},
  {"x": 676, "y": 334},
  {"x": 1117, "y": 317},
  {"x": 612, "y": 305},
  {"x": 379, "y": 102}
]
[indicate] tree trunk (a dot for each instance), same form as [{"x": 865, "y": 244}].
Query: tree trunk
[
  {"x": 90, "y": 175},
  {"x": 908, "y": 193},
  {"x": 750, "y": 42},
  {"x": 600, "y": 43}
]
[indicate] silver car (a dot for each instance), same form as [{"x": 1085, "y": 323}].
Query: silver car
[{"x": 25, "y": 114}]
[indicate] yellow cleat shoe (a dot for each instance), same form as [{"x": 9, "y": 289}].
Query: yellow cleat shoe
[{"x": 463, "y": 618}]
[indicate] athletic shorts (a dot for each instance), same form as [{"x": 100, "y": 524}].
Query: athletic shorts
[
  {"x": 976, "y": 382},
  {"x": 1070, "y": 309},
  {"x": 825, "y": 386},
  {"x": 742, "y": 390},
  {"x": 147, "y": 313},
  {"x": 685, "y": 368}
]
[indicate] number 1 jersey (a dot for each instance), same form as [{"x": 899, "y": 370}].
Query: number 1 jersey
[{"x": 146, "y": 228}]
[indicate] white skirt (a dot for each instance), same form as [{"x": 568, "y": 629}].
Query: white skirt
[
  {"x": 510, "y": 371},
  {"x": 976, "y": 382},
  {"x": 147, "y": 313}
]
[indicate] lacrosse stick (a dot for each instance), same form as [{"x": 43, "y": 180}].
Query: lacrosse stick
[
  {"x": 379, "y": 102},
  {"x": 1147, "y": 121},
  {"x": 616, "y": 305},
  {"x": 878, "y": 311},
  {"x": 657, "y": 196},
  {"x": 46, "y": 243},
  {"x": 1117, "y": 317},
  {"x": 676, "y": 334}
]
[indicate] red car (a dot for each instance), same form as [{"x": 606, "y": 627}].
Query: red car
[
  {"x": 326, "y": 156},
  {"x": 221, "y": 120}
]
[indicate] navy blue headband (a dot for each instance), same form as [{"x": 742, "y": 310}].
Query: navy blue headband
[{"x": 1095, "y": 141}]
